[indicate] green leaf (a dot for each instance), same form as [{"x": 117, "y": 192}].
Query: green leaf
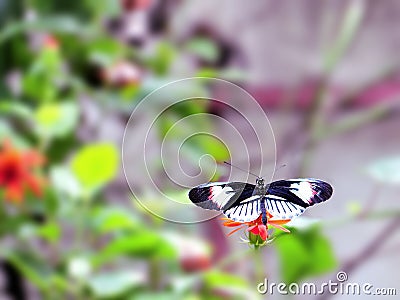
[
  {"x": 50, "y": 231},
  {"x": 58, "y": 24},
  {"x": 95, "y": 165},
  {"x": 48, "y": 115},
  {"x": 37, "y": 272},
  {"x": 199, "y": 145},
  {"x": 45, "y": 76},
  {"x": 385, "y": 170},
  {"x": 163, "y": 58},
  {"x": 57, "y": 119},
  {"x": 50, "y": 202},
  {"x": 232, "y": 285},
  {"x": 178, "y": 196},
  {"x": 143, "y": 244},
  {"x": 304, "y": 253},
  {"x": 113, "y": 284},
  {"x": 207, "y": 72},
  {"x": 294, "y": 258},
  {"x": 105, "y": 51},
  {"x": 17, "y": 109},
  {"x": 212, "y": 146},
  {"x": 218, "y": 279},
  {"x": 5, "y": 130},
  {"x": 233, "y": 74},
  {"x": 110, "y": 219},
  {"x": 10, "y": 223},
  {"x": 157, "y": 296},
  {"x": 7, "y": 133},
  {"x": 204, "y": 48}
]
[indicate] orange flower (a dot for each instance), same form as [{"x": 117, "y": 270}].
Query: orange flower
[
  {"x": 17, "y": 172},
  {"x": 256, "y": 227}
]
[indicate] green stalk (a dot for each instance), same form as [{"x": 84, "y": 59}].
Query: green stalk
[
  {"x": 259, "y": 268},
  {"x": 315, "y": 123}
]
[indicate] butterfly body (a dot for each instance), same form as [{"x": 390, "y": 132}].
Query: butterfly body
[
  {"x": 261, "y": 190},
  {"x": 245, "y": 202}
]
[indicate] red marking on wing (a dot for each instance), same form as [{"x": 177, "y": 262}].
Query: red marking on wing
[{"x": 210, "y": 196}]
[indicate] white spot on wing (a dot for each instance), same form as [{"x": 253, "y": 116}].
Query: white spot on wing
[
  {"x": 303, "y": 190},
  {"x": 221, "y": 195}
]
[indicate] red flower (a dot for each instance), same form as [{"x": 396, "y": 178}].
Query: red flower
[
  {"x": 194, "y": 255},
  {"x": 17, "y": 172},
  {"x": 256, "y": 227},
  {"x": 131, "y": 5},
  {"x": 193, "y": 264},
  {"x": 50, "y": 42}
]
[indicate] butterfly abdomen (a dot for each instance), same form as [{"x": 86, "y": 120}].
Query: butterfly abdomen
[{"x": 263, "y": 211}]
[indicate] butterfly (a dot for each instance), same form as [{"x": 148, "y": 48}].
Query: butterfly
[{"x": 245, "y": 202}]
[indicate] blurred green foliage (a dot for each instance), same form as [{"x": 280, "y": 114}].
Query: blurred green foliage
[
  {"x": 304, "y": 253},
  {"x": 78, "y": 242},
  {"x": 74, "y": 241},
  {"x": 87, "y": 169}
]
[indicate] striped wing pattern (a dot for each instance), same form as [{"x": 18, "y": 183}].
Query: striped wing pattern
[
  {"x": 246, "y": 211},
  {"x": 285, "y": 199},
  {"x": 289, "y": 198}
]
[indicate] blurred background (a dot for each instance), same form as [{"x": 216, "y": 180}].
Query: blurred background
[{"x": 327, "y": 75}]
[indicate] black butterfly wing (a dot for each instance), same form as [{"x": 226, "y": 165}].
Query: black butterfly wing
[
  {"x": 286, "y": 199},
  {"x": 235, "y": 199},
  {"x": 220, "y": 195}
]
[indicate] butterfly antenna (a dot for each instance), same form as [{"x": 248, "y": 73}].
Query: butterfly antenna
[
  {"x": 225, "y": 162},
  {"x": 280, "y": 167}
]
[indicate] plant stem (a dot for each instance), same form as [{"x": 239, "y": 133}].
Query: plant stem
[
  {"x": 259, "y": 272},
  {"x": 155, "y": 275},
  {"x": 314, "y": 123},
  {"x": 80, "y": 229}
]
